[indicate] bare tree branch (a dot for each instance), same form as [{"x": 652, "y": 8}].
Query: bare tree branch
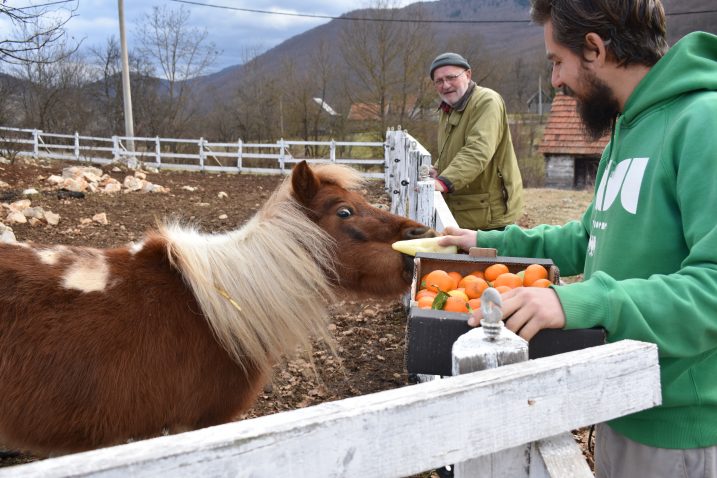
[{"x": 35, "y": 27}]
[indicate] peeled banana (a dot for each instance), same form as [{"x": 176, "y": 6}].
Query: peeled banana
[{"x": 426, "y": 244}]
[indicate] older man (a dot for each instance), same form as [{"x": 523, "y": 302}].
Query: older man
[{"x": 475, "y": 166}]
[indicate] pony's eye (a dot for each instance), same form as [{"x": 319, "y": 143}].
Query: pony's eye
[{"x": 344, "y": 212}]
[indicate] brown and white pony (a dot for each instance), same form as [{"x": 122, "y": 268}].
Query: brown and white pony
[{"x": 180, "y": 331}]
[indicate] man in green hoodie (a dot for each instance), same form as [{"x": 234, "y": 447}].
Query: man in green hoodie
[{"x": 647, "y": 244}]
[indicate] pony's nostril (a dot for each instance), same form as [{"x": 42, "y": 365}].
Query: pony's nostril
[{"x": 418, "y": 232}]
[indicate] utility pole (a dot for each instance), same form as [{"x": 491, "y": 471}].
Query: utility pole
[
  {"x": 127, "y": 95},
  {"x": 540, "y": 95}
]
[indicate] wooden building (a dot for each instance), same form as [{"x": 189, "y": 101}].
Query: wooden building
[{"x": 571, "y": 158}]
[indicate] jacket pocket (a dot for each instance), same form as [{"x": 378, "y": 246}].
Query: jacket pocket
[{"x": 471, "y": 211}]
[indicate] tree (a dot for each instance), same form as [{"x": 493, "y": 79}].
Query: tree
[
  {"x": 107, "y": 91},
  {"x": 301, "y": 92},
  {"x": 39, "y": 26},
  {"x": 386, "y": 57},
  {"x": 53, "y": 76},
  {"x": 182, "y": 54}
]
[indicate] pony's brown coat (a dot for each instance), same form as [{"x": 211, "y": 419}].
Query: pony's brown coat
[{"x": 181, "y": 330}]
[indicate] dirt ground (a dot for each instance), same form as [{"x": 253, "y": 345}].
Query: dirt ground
[{"x": 370, "y": 334}]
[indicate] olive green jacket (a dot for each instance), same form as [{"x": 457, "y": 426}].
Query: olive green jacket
[{"x": 477, "y": 162}]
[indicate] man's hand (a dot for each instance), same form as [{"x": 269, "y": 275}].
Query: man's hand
[
  {"x": 438, "y": 186},
  {"x": 527, "y": 310},
  {"x": 463, "y": 238}
]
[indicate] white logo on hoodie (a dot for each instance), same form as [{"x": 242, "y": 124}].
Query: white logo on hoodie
[{"x": 625, "y": 180}]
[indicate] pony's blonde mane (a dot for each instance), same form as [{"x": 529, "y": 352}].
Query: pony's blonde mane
[{"x": 264, "y": 287}]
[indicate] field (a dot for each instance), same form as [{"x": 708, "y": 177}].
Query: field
[{"x": 369, "y": 334}]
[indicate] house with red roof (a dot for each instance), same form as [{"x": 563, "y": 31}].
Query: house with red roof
[{"x": 571, "y": 157}]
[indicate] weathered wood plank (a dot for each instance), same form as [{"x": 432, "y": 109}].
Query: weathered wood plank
[
  {"x": 558, "y": 456},
  {"x": 396, "y": 432},
  {"x": 444, "y": 218},
  {"x": 472, "y": 352},
  {"x": 424, "y": 203}
]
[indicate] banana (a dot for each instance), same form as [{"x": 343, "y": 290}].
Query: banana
[{"x": 426, "y": 244}]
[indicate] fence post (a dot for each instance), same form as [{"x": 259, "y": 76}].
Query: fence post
[
  {"x": 158, "y": 151},
  {"x": 387, "y": 148},
  {"x": 474, "y": 351},
  {"x": 419, "y": 163},
  {"x": 202, "y": 154},
  {"x": 424, "y": 201},
  {"x": 281, "y": 156},
  {"x": 77, "y": 145},
  {"x": 397, "y": 174},
  {"x": 239, "y": 152},
  {"x": 332, "y": 151},
  {"x": 115, "y": 148},
  {"x": 36, "y": 143}
]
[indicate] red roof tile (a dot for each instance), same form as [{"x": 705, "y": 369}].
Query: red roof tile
[
  {"x": 364, "y": 111},
  {"x": 564, "y": 132}
]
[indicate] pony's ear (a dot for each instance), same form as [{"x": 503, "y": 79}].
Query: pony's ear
[{"x": 304, "y": 183}]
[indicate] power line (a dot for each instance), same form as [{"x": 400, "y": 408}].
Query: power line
[
  {"x": 690, "y": 13},
  {"x": 330, "y": 17},
  {"x": 39, "y": 5},
  {"x": 396, "y": 20}
]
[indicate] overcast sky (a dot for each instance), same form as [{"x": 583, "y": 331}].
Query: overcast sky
[{"x": 232, "y": 31}]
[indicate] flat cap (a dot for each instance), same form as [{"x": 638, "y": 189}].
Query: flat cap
[{"x": 444, "y": 59}]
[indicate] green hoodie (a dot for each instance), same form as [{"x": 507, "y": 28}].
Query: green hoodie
[{"x": 647, "y": 243}]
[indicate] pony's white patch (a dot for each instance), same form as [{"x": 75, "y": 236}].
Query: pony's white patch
[
  {"x": 51, "y": 256},
  {"x": 135, "y": 247},
  {"x": 89, "y": 273}
]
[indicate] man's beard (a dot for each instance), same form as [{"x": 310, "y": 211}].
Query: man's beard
[{"x": 598, "y": 107}]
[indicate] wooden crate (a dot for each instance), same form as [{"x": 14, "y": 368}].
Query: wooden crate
[{"x": 430, "y": 334}]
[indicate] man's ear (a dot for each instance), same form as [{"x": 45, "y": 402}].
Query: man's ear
[{"x": 595, "y": 49}]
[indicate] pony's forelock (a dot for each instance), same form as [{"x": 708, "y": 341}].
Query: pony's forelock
[{"x": 344, "y": 177}]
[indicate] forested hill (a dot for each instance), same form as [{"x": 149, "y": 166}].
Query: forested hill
[{"x": 466, "y": 26}]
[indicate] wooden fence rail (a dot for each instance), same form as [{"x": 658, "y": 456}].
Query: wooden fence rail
[
  {"x": 400, "y": 432},
  {"x": 191, "y": 154}
]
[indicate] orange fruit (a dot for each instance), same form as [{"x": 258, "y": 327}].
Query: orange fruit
[
  {"x": 465, "y": 280},
  {"x": 478, "y": 274},
  {"x": 422, "y": 284},
  {"x": 474, "y": 304},
  {"x": 457, "y": 276},
  {"x": 475, "y": 288},
  {"x": 508, "y": 279},
  {"x": 458, "y": 293},
  {"x": 455, "y": 304},
  {"x": 439, "y": 280},
  {"x": 493, "y": 271},
  {"x": 541, "y": 283},
  {"x": 503, "y": 289},
  {"x": 424, "y": 293},
  {"x": 425, "y": 302},
  {"x": 534, "y": 272}
]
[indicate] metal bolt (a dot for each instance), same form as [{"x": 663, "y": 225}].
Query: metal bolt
[{"x": 490, "y": 304}]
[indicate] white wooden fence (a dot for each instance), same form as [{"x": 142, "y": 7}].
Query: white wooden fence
[
  {"x": 500, "y": 415},
  {"x": 411, "y": 190},
  {"x": 191, "y": 154},
  {"x": 405, "y": 431}
]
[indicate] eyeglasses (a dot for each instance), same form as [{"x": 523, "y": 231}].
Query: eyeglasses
[{"x": 448, "y": 79}]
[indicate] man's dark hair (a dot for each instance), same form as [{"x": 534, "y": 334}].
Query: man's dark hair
[{"x": 635, "y": 30}]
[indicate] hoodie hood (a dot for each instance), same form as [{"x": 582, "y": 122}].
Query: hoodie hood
[{"x": 695, "y": 55}]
